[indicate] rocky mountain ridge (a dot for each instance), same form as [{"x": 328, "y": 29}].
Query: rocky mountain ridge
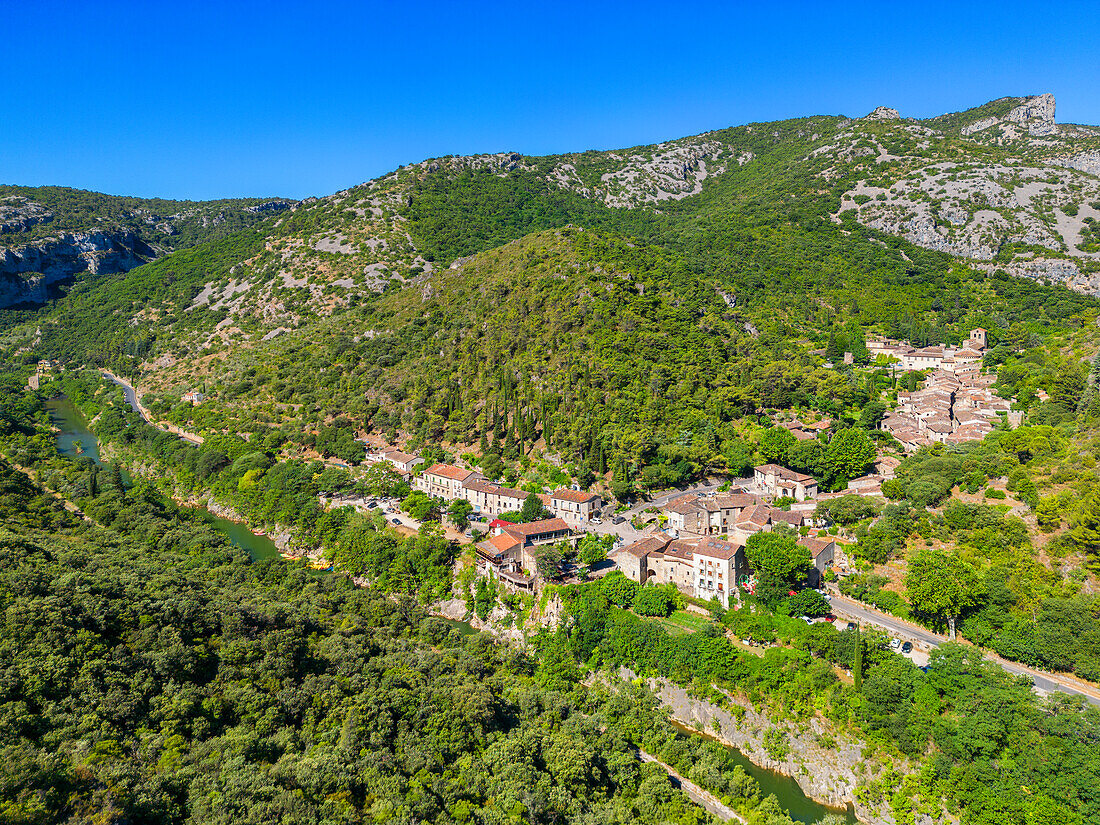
[{"x": 52, "y": 234}]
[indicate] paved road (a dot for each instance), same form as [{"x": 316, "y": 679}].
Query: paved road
[
  {"x": 131, "y": 398},
  {"x": 1044, "y": 682}
]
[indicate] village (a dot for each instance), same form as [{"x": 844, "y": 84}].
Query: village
[{"x": 696, "y": 540}]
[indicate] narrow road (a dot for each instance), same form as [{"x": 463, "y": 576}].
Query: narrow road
[
  {"x": 131, "y": 396},
  {"x": 704, "y": 799},
  {"x": 1044, "y": 682}
]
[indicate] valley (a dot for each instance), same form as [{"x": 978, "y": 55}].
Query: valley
[{"x": 694, "y": 433}]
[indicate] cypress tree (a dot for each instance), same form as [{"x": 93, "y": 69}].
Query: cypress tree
[{"x": 857, "y": 663}]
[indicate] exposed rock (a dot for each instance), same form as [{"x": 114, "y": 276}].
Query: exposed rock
[
  {"x": 27, "y": 272},
  {"x": 883, "y": 113}
]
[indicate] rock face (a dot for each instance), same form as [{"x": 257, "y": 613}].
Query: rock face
[
  {"x": 884, "y": 113},
  {"x": 829, "y": 775},
  {"x": 27, "y": 272},
  {"x": 1035, "y": 113}
]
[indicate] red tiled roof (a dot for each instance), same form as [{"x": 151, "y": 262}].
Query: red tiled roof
[
  {"x": 533, "y": 528},
  {"x": 650, "y": 544},
  {"x": 577, "y": 496},
  {"x": 449, "y": 471},
  {"x": 717, "y": 549}
]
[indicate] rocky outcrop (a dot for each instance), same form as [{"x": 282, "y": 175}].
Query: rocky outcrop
[
  {"x": 17, "y": 214},
  {"x": 1035, "y": 113},
  {"x": 27, "y": 272},
  {"x": 883, "y": 113}
]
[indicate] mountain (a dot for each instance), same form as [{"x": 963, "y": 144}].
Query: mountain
[
  {"x": 49, "y": 234},
  {"x": 640, "y": 300}
]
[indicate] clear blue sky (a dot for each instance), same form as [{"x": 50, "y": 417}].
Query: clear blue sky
[{"x": 225, "y": 98}]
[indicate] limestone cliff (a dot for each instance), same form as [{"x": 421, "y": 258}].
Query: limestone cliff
[{"x": 27, "y": 272}]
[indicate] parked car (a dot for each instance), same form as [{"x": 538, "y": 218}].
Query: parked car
[
  {"x": 618, "y": 520},
  {"x": 597, "y": 520},
  {"x": 371, "y": 505},
  {"x": 851, "y": 626},
  {"x": 395, "y": 520},
  {"x": 895, "y": 643},
  {"x": 907, "y": 647}
]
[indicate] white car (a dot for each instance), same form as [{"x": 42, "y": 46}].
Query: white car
[
  {"x": 895, "y": 644},
  {"x": 597, "y": 520}
]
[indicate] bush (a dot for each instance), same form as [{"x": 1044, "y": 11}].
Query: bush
[
  {"x": 619, "y": 589},
  {"x": 652, "y": 601}
]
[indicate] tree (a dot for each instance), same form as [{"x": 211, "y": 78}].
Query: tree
[
  {"x": 808, "y": 603},
  {"x": 778, "y": 556},
  {"x": 941, "y": 585},
  {"x": 850, "y": 453},
  {"x": 421, "y": 506},
  {"x": 592, "y": 548},
  {"x": 776, "y": 444},
  {"x": 492, "y": 466},
  {"x": 871, "y": 415},
  {"x": 459, "y": 511},
  {"x": 533, "y": 509},
  {"x": 857, "y": 343},
  {"x": 653, "y": 601},
  {"x": 857, "y": 662},
  {"x": 619, "y": 589},
  {"x": 548, "y": 560}
]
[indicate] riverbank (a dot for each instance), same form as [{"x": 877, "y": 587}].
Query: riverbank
[{"x": 828, "y": 767}]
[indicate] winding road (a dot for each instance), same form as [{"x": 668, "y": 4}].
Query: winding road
[
  {"x": 1044, "y": 682},
  {"x": 130, "y": 393}
]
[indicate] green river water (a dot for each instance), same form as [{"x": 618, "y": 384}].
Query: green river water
[{"x": 74, "y": 439}]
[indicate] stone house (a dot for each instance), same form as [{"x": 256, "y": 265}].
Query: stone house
[
  {"x": 823, "y": 553},
  {"x": 574, "y": 506},
  {"x": 404, "y": 463},
  {"x": 702, "y": 567},
  {"x": 777, "y": 482},
  {"x": 491, "y": 500},
  {"x": 445, "y": 481}
]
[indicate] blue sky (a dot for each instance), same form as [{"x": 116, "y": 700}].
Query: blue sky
[{"x": 224, "y": 99}]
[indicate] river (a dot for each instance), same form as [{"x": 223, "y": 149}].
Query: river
[
  {"x": 74, "y": 439},
  {"x": 787, "y": 792}
]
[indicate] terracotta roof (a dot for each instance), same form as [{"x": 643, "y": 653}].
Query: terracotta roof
[
  {"x": 756, "y": 514},
  {"x": 534, "y": 528},
  {"x": 783, "y": 473},
  {"x": 717, "y": 549},
  {"x": 737, "y": 501},
  {"x": 650, "y": 544},
  {"x": 815, "y": 545},
  {"x": 578, "y": 496},
  {"x": 794, "y": 519},
  {"x": 481, "y": 486},
  {"x": 680, "y": 550},
  {"x": 449, "y": 471},
  {"x": 498, "y": 546},
  {"x": 683, "y": 505}
]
